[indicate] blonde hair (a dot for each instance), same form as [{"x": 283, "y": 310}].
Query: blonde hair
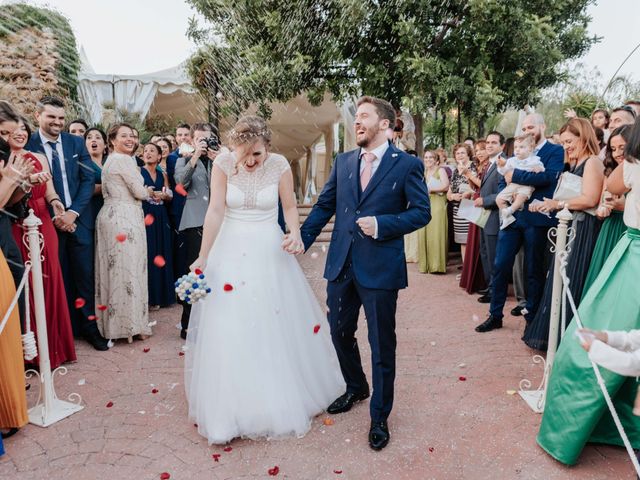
[
  {"x": 527, "y": 138},
  {"x": 249, "y": 129}
]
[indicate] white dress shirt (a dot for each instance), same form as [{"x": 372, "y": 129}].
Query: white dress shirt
[
  {"x": 49, "y": 153},
  {"x": 379, "y": 153}
]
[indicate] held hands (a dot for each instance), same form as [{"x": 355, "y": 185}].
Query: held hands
[
  {"x": 65, "y": 221},
  {"x": 587, "y": 337},
  {"x": 367, "y": 225},
  {"x": 292, "y": 244}
]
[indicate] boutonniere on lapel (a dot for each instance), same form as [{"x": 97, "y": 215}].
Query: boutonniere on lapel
[{"x": 394, "y": 155}]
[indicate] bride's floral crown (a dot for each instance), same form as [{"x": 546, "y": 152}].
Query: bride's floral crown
[{"x": 236, "y": 136}]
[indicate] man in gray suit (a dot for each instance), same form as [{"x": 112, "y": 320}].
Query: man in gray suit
[
  {"x": 489, "y": 189},
  {"x": 193, "y": 173}
]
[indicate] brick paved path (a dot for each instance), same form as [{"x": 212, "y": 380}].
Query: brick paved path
[{"x": 442, "y": 428}]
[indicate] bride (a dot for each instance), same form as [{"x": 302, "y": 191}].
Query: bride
[{"x": 259, "y": 360}]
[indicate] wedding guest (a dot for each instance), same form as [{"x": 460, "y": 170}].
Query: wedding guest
[
  {"x": 193, "y": 172},
  {"x": 136, "y": 151},
  {"x": 432, "y": 239},
  {"x": 159, "y": 241},
  {"x": 441, "y": 153},
  {"x": 635, "y": 104},
  {"x": 472, "y": 277},
  {"x": 165, "y": 146},
  {"x": 611, "y": 207},
  {"x": 624, "y": 115},
  {"x": 121, "y": 244},
  {"x": 43, "y": 196},
  {"x": 77, "y": 127},
  {"x": 530, "y": 229},
  {"x": 575, "y": 411},
  {"x": 172, "y": 139},
  {"x": 96, "y": 142},
  {"x": 581, "y": 156},
  {"x": 459, "y": 188},
  {"x": 13, "y": 172},
  {"x": 74, "y": 182}
]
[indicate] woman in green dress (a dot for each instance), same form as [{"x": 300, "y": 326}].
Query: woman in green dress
[
  {"x": 433, "y": 239},
  {"x": 575, "y": 412},
  {"x": 610, "y": 209}
]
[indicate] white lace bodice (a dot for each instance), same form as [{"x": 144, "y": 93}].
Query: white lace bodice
[{"x": 252, "y": 196}]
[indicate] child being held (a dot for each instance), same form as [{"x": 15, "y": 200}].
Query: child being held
[
  {"x": 514, "y": 196},
  {"x": 615, "y": 351}
]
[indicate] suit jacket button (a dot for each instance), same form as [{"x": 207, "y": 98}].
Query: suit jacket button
[{"x": 357, "y": 212}]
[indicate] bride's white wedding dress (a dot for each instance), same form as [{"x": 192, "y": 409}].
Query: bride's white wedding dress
[{"x": 254, "y": 366}]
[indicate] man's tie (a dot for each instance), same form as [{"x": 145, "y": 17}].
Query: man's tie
[
  {"x": 56, "y": 171},
  {"x": 365, "y": 176}
]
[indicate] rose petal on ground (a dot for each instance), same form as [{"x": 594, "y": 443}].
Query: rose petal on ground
[
  {"x": 80, "y": 302},
  {"x": 159, "y": 261},
  {"x": 462, "y": 379},
  {"x": 431, "y": 449},
  {"x": 121, "y": 237},
  {"x": 328, "y": 421},
  {"x": 102, "y": 308},
  {"x": 433, "y": 344},
  {"x": 82, "y": 381},
  {"x": 181, "y": 354},
  {"x": 154, "y": 391},
  {"x": 511, "y": 392},
  {"x": 146, "y": 349},
  {"x": 316, "y": 329},
  {"x": 227, "y": 287},
  {"x": 216, "y": 457},
  {"x": 462, "y": 365},
  {"x": 148, "y": 219},
  {"x": 274, "y": 471},
  {"x": 180, "y": 190},
  {"x": 165, "y": 476},
  {"x": 227, "y": 449},
  {"x": 337, "y": 472},
  {"x": 109, "y": 404}
]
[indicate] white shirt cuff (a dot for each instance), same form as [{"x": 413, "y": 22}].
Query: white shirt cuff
[{"x": 375, "y": 230}]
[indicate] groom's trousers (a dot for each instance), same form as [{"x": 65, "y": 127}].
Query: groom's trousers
[{"x": 345, "y": 296}]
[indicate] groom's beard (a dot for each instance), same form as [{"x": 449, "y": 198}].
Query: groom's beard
[{"x": 365, "y": 140}]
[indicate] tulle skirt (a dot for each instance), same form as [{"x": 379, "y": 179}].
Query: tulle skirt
[{"x": 259, "y": 360}]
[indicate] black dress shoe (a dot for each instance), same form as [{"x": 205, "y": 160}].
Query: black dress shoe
[
  {"x": 345, "y": 402},
  {"x": 183, "y": 334},
  {"x": 489, "y": 324},
  {"x": 379, "y": 435},
  {"x": 486, "y": 298},
  {"x": 517, "y": 311},
  {"x": 97, "y": 341}
]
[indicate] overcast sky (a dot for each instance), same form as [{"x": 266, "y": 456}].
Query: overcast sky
[{"x": 144, "y": 36}]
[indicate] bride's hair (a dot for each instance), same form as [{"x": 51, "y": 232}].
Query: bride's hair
[{"x": 249, "y": 129}]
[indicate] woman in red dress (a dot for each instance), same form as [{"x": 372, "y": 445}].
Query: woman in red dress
[{"x": 59, "y": 333}]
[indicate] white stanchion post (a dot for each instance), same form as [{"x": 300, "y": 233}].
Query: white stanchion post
[
  {"x": 536, "y": 398},
  {"x": 49, "y": 408}
]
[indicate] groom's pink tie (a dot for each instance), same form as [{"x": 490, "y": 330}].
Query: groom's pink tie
[{"x": 365, "y": 176}]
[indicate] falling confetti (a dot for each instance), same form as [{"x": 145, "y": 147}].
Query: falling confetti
[
  {"x": 227, "y": 287},
  {"x": 197, "y": 271},
  {"x": 109, "y": 404},
  {"x": 274, "y": 471},
  {"x": 121, "y": 237},
  {"x": 102, "y": 308},
  {"x": 91, "y": 317},
  {"x": 180, "y": 190},
  {"x": 148, "y": 219},
  {"x": 80, "y": 302},
  {"x": 165, "y": 476},
  {"x": 316, "y": 329},
  {"x": 159, "y": 261}
]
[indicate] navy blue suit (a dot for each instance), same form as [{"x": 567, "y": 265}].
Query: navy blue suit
[
  {"x": 363, "y": 271},
  {"x": 76, "y": 249},
  {"x": 530, "y": 229}
]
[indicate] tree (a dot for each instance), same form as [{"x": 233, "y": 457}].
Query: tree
[{"x": 479, "y": 56}]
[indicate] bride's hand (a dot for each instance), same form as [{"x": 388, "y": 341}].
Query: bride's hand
[
  {"x": 292, "y": 244},
  {"x": 199, "y": 264}
]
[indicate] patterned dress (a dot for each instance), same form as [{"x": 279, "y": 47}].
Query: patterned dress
[
  {"x": 460, "y": 184},
  {"x": 121, "y": 251}
]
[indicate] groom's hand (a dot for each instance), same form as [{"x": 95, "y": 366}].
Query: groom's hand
[{"x": 367, "y": 225}]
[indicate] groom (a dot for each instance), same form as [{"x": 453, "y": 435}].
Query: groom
[{"x": 378, "y": 194}]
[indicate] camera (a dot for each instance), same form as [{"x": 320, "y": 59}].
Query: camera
[{"x": 213, "y": 143}]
